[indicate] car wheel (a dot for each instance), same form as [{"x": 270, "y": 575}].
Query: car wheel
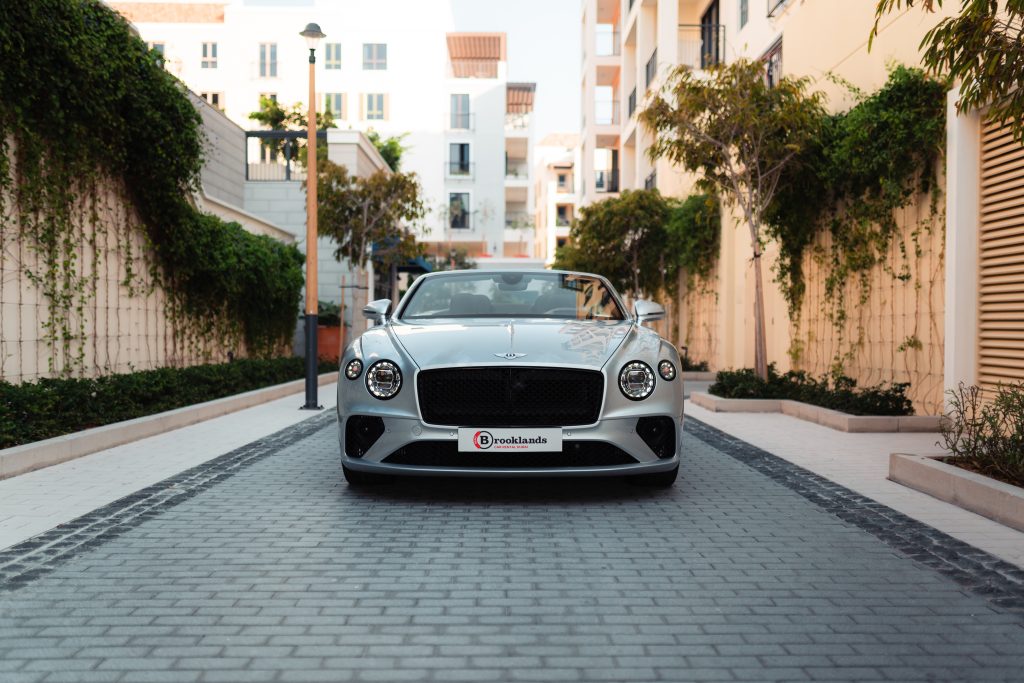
[
  {"x": 656, "y": 480},
  {"x": 357, "y": 478}
]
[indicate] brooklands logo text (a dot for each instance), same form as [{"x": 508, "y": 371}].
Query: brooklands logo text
[{"x": 483, "y": 440}]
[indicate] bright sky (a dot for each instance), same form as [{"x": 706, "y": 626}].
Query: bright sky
[{"x": 543, "y": 47}]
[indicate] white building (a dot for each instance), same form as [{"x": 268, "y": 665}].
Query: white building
[
  {"x": 393, "y": 66},
  {"x": 556, "y": 192}
]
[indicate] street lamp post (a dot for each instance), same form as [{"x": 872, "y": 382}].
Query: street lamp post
[{"x": 312, "y": 34}]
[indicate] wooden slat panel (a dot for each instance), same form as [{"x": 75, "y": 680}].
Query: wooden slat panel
[{"x": 1001, "y": 258}]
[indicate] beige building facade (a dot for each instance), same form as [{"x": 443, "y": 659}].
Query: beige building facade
[
  {"x": 555, "y": 193},
  {"x": 959, "y": 316}
]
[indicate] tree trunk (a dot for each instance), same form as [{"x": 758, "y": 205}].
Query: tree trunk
[{"x": 760, "y": 341}]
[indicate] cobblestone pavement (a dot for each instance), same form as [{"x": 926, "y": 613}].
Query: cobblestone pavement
[{"x": 264, "y": 565}]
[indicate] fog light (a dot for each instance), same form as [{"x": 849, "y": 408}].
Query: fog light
[
  {"x": 354, "y": 369},
  {"x": 636, "y": 380},
  {"x": 383, "y": 380},
  {"x": 361, "y": 432},
  {"x": 667, "y": 370}
]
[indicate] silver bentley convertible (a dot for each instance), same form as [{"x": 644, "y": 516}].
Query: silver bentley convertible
[{"x": 515, "y": 373}]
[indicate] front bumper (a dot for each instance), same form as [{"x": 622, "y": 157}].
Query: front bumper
[{"x": 619, "y": 432}]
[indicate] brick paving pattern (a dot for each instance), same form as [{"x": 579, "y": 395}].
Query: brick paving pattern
[{"x": 265, "y": 566}]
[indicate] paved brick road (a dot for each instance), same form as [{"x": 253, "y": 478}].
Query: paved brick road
[{"x": 265, "y": 566}]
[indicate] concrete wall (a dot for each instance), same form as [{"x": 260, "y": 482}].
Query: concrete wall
[{"x": 119, "y": 329}]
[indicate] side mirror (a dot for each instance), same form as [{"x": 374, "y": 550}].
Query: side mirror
[
  {"x": 377, "y": 311},
  {"x": 648, "y": 311}
]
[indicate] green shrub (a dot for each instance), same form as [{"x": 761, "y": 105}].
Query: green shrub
[
  {"x": 840, "y": 393},
  {"x": 51, "y": 407},
  {"x": 987, "y": 437}
]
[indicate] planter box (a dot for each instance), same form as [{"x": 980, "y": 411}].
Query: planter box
[
  {"x": 983, "y": 495},
  {"x": 33, "y": 456},
  {"x": 698, "y": 376},
  {"x": 328, "y": 342},
  {"x": 826, "y": 417}
]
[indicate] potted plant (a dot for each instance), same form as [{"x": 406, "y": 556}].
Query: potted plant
[{"x": 328, "y": 333}]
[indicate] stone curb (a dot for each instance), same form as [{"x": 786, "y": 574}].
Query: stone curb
[
  {"x": 826, "y": 417},
  {"x": 39, "y": 454},
  {"x": 983, "y": 495}
]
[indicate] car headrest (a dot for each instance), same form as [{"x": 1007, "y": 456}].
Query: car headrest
[{"x": 469, "y": 304}]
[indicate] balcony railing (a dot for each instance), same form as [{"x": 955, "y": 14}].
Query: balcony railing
[
  {"x": 606, "y": 181},
  {"x": 606, "y": 113},
  {"x": 632, "y": 103},
  {"x": 774, "y": 6},
  {"x": 651, "y": 181},
  {"x": 651, "y": 70},
  {"x": 518, "y": 220},
  {"x": 701, "y": 45},
  {"x": 517, "y": 120},
  {"x": 606, "y": 44},
  {"x": 459, "y": 169},
  {"x": 273, "y": 155},
  {"x": 516, "y": 170},
  {"x": 461, "y": 120}
]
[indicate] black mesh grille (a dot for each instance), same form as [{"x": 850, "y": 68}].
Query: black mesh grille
[
  {"x": 659, "y": 433},
  {"x": 510, "y": 397},
  {"x": 573, "y": 454},
  {"x": 361, "y": 432}
]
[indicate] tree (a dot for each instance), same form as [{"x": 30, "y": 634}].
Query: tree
[
  {"x": 692, "y": 235},
  {"x": 622, "y": 238},
  {"x": 982, "y": 48},
  {"x": 372, "y": 213},
  {"x": 276, "y": 117},
  {"x": 390, "y": 148},
  {"x": 739, "y": 133}
]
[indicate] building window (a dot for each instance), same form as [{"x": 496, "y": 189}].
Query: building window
[
  {"x": 744, "y": 12},
  {"x": 773, "y": 64},
  {"x": 332, "y": 56},
  {"x": 214, "y": 99},
  {"x": 563, "y": 215},
  {"x": 458, "y": 158},
  {"x": 268, "y": 60},
  {"x": 209, "y": 56},
  {"x": 460, "y": 112},
  {"x": 375, "y": 56},
  {"x": 374, "y": 109},
  {"x": 160, "y": 49},
  {"x": 563, "y": 181},
  {"x": 334, "y": 102},
  {"x": 458, "y": 209}
]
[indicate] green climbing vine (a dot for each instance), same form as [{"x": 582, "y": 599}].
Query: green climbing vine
[
  {"x": 86, "y": 110},
  {"x": 865, "y": 165}
]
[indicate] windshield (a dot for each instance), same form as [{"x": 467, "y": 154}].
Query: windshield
[{"x": 518, "y": 295}]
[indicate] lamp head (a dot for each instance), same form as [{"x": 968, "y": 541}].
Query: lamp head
[{"x": 312, "y": 34}]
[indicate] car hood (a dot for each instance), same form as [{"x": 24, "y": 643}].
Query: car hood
[{"x": 584, "y": 343}]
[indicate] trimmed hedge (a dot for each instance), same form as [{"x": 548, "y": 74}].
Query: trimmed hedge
[
  {"x": 840, "y": 393},
  {"x": 51, "y": 407}
]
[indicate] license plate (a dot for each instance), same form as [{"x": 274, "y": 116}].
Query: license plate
[{"x": 489, "y": 440}]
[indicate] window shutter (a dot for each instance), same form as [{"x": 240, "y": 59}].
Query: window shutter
[
  {"x": 362, "y": 107},
  {"x": 344, "y": 106},
  {"x": 1001, "y": 258},
  {"x": 387, "y": 108}
]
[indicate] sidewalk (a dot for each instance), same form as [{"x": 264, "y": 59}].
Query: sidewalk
[
  {"x": 860, "y": 462},
  {"x": 37, "y": 501}
]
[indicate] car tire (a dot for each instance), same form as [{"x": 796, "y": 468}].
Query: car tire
[
  {"x": 357, "y": 478},
  {"x": 656, "y": 480}
]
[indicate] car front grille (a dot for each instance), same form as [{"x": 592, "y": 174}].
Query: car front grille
[
  {"x": 573, "y": 454},
  {"x": 510, "y": 396}
]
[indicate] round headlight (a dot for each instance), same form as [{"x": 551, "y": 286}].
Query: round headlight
[
  {"x": 383, "y": 380},
  {"x": 667, "y": 370},
  {"x": 354, "y": 368},
  {"x": 636, "y": 380}
]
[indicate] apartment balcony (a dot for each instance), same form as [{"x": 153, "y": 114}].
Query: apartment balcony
[
  {"x": 459, "y": 121},
  {"x": 458, "y": 170},
  {"x": 651, "y": 181},
  {"x": 606, "y": 113},
  {"x": 606, "y": 181},
  {"x": 462, "y": 220},
  {"x": 517, "y": 123},
  {"x": 273, "y": 155},
  {"x": 516, "y": 169},
  {"x": 518, "y": 220},
  {"x": 607, "y": 44},
  {"x": 701, "y": 45},
  {"x": 631, "y": 103}
]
